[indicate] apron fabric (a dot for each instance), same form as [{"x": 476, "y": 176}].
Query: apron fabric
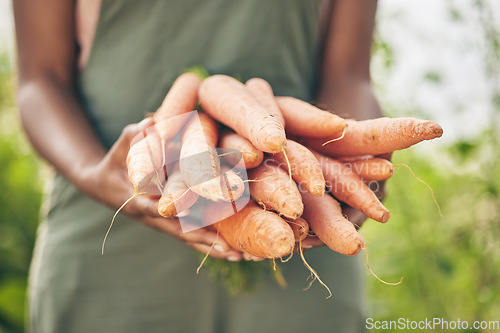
[{"x": 146, "y": 280}]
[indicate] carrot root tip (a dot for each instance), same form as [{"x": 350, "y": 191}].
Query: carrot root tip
[
  {"x": 114, "y": 217},
  {"x": 375, "y": 275}
]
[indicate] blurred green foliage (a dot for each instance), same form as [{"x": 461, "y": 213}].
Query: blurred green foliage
[
  {"x": 20, "y": 199},
  {"x": 450, "y": 264}
]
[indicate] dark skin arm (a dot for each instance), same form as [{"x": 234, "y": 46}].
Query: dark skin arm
[
  {"x": 58, "y": 129},
  {"x": 345, "y": 84}
]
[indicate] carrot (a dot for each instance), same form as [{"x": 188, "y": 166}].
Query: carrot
[
  {"x": 176, "y": 196},
  {"x": 273, "y": 190},
  {"x": 375, "y": 168},
  {"x": 349, "y": 188},
  {"x": 144, "y": 160},
  {"x": 251, "y": 156},
  {"x": 300, "y": 228},
  {"x": 256, "y": 231},
  {"x": 181, "y": 98},
  {"x": 378, "y": 136},
  {"x": 263, "y": 92},
  {"x": 304, "y": 119},
  {"x": 228, "y": 101},
  {"x": 304, "y": 167},
  {"x": 326, "y": 220},
  {"x": 231, "y": 184},
  {"x": 199, "y": 161}
]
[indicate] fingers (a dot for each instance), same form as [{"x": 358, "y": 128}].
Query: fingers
[
  {"x": 206, "y": 237},
  {"x": 311, "y": 242},
  {"x": 146, "y": 206},
  {"x": 214, "y": 252},
  {"x": 200, "y": 240},
  {"x": 354, "y": 216},
  {"x": 248, "y": 257},
  {"x": 122, "y": 145},
  {"x": 387, "y": 156}
]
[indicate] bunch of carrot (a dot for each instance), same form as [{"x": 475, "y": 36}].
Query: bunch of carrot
[{"x": 302, "y": 162}]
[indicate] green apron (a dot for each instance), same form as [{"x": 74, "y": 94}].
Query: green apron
[{"x": 146, "y": 281}]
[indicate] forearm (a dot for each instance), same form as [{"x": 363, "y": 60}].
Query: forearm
[
  {"x": 345, "y": 74},
  {"x": 57, "y": 127},
  {"x": 350, "y": 98}
]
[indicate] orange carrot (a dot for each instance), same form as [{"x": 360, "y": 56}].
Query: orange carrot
[
  {"x": 252, "y": 157},
  {"x": 375, "y": 168},
  {"x": 228, "y": 101},
  {"x": 256, "y": 231},
  {"x": 176, "y": 197},
  {"x": 199, "y": 161},
  {"x": 378, "y": 136},
  {"x": 305, "y": 168},
  {"x": 349, "y": 188},
  {"x": 300, "y": 228},
  {"x": 181, "y": 98},
  {"x": 146, "y": 156},
  {"x": 326, "y": 220},
  {"x": 273, "y": 190},
  {"x": 231, "y": 184},
  {"x": 263, "y": 92},
  {"x": 144, "y": 160},
  {"x": 304, "y": 119}
]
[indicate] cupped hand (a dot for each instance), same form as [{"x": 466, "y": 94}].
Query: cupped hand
[
  {"x": 108, "y": 183},
  {"x": 200, "y": 240}
]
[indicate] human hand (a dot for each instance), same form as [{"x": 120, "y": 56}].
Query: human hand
[
  {"x": 108, "y": 183},
  {"x": 200, "y": 239}
]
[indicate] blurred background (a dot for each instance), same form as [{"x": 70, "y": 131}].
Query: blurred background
[{"x": 438, "y": 60}]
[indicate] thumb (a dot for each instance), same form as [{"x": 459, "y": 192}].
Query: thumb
[
  {"x": 130, "y": 134},
  {"x": 134, "y": 132}
]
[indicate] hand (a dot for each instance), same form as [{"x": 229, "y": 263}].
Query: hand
[
  {"x": 355, "y": 216},
  {"x": 200, "y": 240},
  {"x": 311, "y": 242},
  {"x": 108, "y": 183}
]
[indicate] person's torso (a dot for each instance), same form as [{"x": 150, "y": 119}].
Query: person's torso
[
  {"x": 146, "y": 280},
  {"x": 140, "y": 47}
]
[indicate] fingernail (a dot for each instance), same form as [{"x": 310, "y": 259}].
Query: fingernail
[
  {"x": 233, "y": 258},
  {"x": 307, "y": 246},
  {"x": 219, "y": 248},
  {"x": 143, "y": 123}
]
